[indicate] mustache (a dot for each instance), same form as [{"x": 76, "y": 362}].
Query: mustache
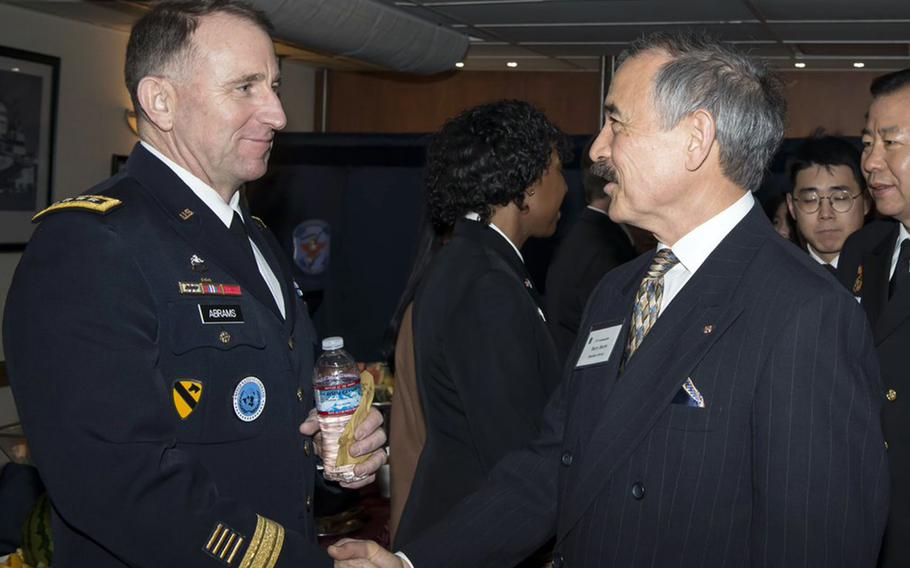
[{"x": 603, "y": 170}]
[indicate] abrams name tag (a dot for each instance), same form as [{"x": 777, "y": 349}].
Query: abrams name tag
[{"x": 220, "y": 313}]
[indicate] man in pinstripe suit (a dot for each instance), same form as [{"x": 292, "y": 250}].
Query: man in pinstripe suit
[{"x": 696, "y": 426}]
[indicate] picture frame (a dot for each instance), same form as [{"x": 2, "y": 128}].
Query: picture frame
[{"x": 28, "y": 121}]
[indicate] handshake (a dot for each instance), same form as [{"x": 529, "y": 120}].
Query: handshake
[{"x": 349, "y": 553}]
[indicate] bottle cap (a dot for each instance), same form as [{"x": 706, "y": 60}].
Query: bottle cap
[{"x": 330, "y": 343}]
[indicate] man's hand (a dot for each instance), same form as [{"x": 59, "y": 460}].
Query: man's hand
[
  {"x": 370, "y": 440},
  {"x": 350, "y": 553}
]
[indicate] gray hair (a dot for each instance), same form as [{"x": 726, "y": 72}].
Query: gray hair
[{"x": 744, "y": 97}]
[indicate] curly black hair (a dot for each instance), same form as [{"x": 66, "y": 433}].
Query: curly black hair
[{"x": 488, "y": 156}]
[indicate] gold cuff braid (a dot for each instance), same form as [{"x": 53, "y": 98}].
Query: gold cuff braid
[{"x": 265, "y": 546}]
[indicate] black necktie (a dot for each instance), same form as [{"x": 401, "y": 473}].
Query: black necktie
[
  {"x": 901, "y": 275},
  {"x": 238, "y": 230},
  {"x": 830, "y": 268}
]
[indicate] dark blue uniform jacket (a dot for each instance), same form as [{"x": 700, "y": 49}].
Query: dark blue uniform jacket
[{"x": 106, "y": 353}]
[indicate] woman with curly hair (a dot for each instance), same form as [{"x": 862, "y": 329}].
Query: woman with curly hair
[{"x": 485, "y": 362}]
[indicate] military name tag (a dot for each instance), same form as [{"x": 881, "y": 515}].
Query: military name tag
[{"x": 220, "y": 313}]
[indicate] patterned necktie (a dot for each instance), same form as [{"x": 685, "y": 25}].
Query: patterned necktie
[{"x": 647, "y": 300}]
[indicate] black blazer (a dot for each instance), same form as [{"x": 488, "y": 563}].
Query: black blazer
[
  {"x": 864, "y": 267},
  {"x": 594, "y": 246},
  {"x": 97, "y": 335},
  {"x": 485, "y": 368},
  {"x": 784, "y": 466}
]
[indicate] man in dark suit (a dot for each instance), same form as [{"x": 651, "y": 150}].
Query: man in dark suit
[
  {"x": 698, "y": 426},
  {"x": 874, "y": 265},
  {"x": 160, "y": 357},
  {"x": 828, "y": 196},
  {"x": 593, "y": 246}
]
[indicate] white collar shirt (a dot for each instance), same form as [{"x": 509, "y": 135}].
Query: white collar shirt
[
  {"x": 694, "y": 248},
  {"x": 819, "y": 259},
  {"x": 901, "y": 235},
  {"x": 225, "y": 212},
  {"x": 476, "y": 217}
]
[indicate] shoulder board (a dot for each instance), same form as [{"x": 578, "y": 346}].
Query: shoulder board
[
  {"x": 259, "y": 221},
  {"x": 94, "y": 203}
]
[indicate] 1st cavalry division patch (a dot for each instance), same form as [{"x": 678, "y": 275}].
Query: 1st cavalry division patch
[
  {"x": 94, "y": 203},
  {"x": 187, "y": 394}
]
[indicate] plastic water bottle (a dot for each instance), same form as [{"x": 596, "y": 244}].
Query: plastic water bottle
[{"x": 338, "y": 393}]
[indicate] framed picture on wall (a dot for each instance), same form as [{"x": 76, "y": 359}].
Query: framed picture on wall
[{"x": 28, "y": 116}]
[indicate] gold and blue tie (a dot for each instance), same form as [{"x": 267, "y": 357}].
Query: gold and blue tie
[{"x": 647, "y": 300}]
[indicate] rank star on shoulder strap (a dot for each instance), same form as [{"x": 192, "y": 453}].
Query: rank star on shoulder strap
[{"x": 94, "y": 203}]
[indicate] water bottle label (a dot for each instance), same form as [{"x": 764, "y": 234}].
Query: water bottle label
[{"x": 338, "y": 400}]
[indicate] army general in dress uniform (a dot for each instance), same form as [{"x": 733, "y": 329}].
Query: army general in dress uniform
[{"x": 158, "y": 351}]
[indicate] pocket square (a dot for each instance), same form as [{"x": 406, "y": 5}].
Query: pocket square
[{"x": 688, "y": 395}]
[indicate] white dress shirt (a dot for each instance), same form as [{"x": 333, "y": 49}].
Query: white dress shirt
[
  {"x": 225, "y": 212},
  {"x": 476, "y": 217},
  {"x": 694, "y": 248},
  {"x": 819, "y": 259},
  {"x": 901, "y": 235}
]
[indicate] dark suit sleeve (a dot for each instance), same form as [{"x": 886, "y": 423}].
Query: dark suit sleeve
[
  {"x": 512, "y": 515},
  {"x": 81, "y": 338},
  {"x": 492, "y": 352},
  {"x": 820, "y": 487}
]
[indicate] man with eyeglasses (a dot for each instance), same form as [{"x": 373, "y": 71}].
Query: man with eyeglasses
[
  {"x": 875, "y": 265},
  {"x": 828, "y": 199}
]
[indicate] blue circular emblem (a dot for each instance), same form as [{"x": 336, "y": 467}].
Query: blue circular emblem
[
  {"x": 249, "y": 399},
  {"x": 312, "y": 242}
]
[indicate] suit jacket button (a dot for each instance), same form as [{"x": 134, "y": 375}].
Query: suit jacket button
[
  {"x": 224, "y": 337},
  {"x": 558, "y": 560},
  {"x": 638, "y": 490},
  {"x": 291, "y": 343},
  {"x": 309, "y": 502},
  {"x": 306, "y": 448},
  {"x": 891, "y": 395},
  {"x": 566, "y": 458}
]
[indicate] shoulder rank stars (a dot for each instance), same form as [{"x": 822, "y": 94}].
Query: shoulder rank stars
[{"x": 93, "y": 203}]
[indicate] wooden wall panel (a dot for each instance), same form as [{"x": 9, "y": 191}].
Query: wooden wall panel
[
  {"x": 391, "y": 103},
  {"x": 835, "y": 100}
]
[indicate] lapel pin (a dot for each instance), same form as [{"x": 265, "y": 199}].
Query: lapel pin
[
  {"x": 858, "y": 283},
  {"x": 528, "y": 283},
  {"x": 708, "y": 330},
  {"x": 197, "y": 264},
  {"x": 186, "y": 214}
]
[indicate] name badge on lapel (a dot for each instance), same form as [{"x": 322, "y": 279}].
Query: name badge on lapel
[{"x": 599, "y": 345}]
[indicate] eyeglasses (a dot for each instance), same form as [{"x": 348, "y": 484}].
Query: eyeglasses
[{"x": 840, "y": 200}]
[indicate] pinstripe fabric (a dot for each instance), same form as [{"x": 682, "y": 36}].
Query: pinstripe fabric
[{"x": 785, "y": 466}]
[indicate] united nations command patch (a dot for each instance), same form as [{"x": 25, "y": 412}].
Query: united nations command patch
[
  {"x": 187, "y": 394},
  {"x": 94, "y": 203},
  {"x": 249, "y": 399}
]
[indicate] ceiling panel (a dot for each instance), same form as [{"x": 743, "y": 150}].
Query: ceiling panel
[
  {"x": 620, "y": 33},
  {"x": 843, "y": 32},
  {"x": 833, "y": 9},
  {"x": 568, "y": 11},
  {"x": 572, "y": 34},
  {"x": 855, "y": 49}
]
